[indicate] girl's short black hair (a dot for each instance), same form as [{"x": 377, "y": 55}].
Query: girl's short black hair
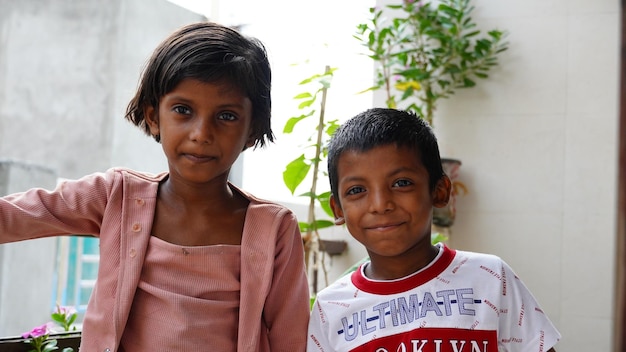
[
  {"x": 208, "y": 52},
  {"x": 379, "y": 127}
]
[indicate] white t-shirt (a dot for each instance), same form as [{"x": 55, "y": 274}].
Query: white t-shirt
[{"x": 461, "y": 302}]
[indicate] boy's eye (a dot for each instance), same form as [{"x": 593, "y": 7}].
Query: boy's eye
[
  {"x": 355, "y": 190},
  {"x": 402, "y": 183},
  {"x": 180, "y": 109},
  {"x": 227, "y": 116}
]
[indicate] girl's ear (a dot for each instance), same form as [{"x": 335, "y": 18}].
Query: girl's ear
[
  {"x": 250, "y": 142},
  {"x": 337, "y": 211},
  {"x": 441, "y": 194},
  {"x": 152, "y": 120}
]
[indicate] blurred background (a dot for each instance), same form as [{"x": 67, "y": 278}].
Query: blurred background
[{"x": 538, "y": 140}]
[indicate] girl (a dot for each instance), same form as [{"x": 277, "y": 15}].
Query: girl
[{"x": 188, "y": 261}]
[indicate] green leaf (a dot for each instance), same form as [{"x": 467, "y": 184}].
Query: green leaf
[
  {"x": 306, "y": 103},
  {"x": 72, "y": 319},
  {"x": 322, "y": 224},
  {"x": 295, "y": 172},
  {"x": 468, "y": 83},
  {"x": 303, "y": 95},
  {"x": 471, "y": 34},
  {"x": 50, "y": 345},
  {"x": 306, "y": 227},
  {"x": 324, "y": 200},
  {"x": 291, "y": 123}
]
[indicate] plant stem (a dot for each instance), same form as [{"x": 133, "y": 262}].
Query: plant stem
[{"x": 312, "y": 230}]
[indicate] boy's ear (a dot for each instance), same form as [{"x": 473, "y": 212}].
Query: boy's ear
[
  {"x": 441, "y": 195},
  {"x": 152, "y": 120},
  {"x": 337, "y": 211}
]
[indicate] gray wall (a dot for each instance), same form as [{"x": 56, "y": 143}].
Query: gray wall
[
  {"x": 67, "y": 71},
  {"x": 25, "y": 284}
]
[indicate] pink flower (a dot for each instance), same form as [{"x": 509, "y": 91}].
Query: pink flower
[
  {"x": 36, "y": 332},
  {"x": 66, "y": 311}
]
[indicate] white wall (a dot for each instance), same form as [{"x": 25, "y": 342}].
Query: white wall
[{"x": 537, "y": 140}]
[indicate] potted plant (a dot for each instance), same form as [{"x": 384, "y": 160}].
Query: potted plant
[
  {"x": 60, "y": 334},
  {"x": 424, "y": 51},
  {"x": 309, "y": 165}
]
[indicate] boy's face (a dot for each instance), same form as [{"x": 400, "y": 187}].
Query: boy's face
[{"x": 386, "y": 202}]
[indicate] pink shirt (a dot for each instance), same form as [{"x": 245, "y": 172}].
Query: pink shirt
[
  {"x": 197, "y": 307},
  {"x": 118, "y": 207}
]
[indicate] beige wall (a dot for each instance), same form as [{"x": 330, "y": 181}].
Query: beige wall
[
  {"x": 538, "y": 143},
  {"x": 537, "y": 140}
]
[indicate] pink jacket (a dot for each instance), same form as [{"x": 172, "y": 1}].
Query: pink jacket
[{"x": 118, "y": 206}]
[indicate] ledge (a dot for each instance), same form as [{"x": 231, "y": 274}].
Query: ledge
[{"x": 18, "y": 344}]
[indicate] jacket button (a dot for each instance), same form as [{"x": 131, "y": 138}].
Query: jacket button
[
  {"x": 140, "y": 201},
  {"x": 136, "y": 228},
  {"x": 133, "y": 253}
]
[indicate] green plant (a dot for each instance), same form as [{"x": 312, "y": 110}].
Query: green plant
[
  {"x": 426, "y": 50},
  {"x": 310, "y": 165},
  {"x": 39, "y": 337},
  {"x": 65, "y": 317}
]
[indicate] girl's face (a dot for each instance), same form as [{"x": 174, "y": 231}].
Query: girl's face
[
  {"x": 203, "y": 128},
  {"x": 386, "y": 202}
]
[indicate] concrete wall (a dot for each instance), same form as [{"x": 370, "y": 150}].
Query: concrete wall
[
  {"x": 26, "y": 285},
  {"x": 67, "y": 71}
]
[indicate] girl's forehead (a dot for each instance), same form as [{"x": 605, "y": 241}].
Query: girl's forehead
[{"x": 223, "y": 84}]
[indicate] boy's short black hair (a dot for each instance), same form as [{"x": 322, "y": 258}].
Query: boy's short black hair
[
  {"x": 210, "y": 53},
  {"x": 379, "y": 127}
]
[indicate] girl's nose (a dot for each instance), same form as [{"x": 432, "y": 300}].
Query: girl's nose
[{"x": 202, "y": 131}]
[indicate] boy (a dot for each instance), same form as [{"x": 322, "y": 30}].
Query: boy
[{"x": 385, "y": 174}]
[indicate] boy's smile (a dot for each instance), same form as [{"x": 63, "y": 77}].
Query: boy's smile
[{"x": 385, "y": 201}]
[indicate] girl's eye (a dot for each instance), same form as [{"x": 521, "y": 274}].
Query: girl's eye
[
  {"x": 227, "y": 116},
  {"x": 402, "y": 183},
  {"x": 355, "y": 190},
  {"x": 180, "y": 109}
]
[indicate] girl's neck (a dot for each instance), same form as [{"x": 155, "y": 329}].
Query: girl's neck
[{"x": 184, "y": 194}]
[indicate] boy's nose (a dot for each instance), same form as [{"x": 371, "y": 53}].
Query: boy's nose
[{"x": 381, "y": 202}]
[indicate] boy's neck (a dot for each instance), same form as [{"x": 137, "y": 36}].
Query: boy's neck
[{"x": 392, "y": 268}]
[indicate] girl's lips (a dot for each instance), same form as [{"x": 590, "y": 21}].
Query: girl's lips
[{"x": 198, "y": 158}]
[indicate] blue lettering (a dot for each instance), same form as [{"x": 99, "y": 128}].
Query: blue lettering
[
  {"x": 460, "y": 294},
  {"x": 429, "y": 305},
  {"x": 349, "y": 336},
  {"x": 381, "y": 313},
  {"x": 447, "y": 303},
  {"x": 364, "y": 329}
]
